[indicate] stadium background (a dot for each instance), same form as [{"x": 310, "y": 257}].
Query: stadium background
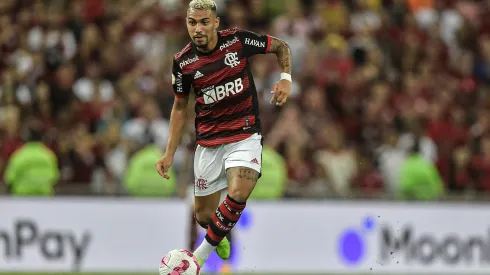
[{"x": 372, "y": 79}]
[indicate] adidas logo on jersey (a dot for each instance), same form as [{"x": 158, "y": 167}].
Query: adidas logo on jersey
[
  {"x": 198, "y": 75},
  {"x": 213, "y": 94},
  {"x": 255, "y": 161}
]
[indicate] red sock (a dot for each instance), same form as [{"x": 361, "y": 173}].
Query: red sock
[{"x": 225, "y": 218}]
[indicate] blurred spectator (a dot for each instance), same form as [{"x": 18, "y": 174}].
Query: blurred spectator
[
  {"x": 338, "y": 162},
  {"x": 93, "y": 87},
  {"x": 364, "y": 18},
  {"x": 390, "y": 160},
  {"x": 461, "y": 173},
  {"x": 149, "y": 121},
  {"x": 273, "y": 181},
  {"x": 369, "y": 182},
  {"x": 481, "y": 165},
  {"x": 11, "y": 139},
  {"x": 139, "y": 178},
  {"x": 407, "y": 141},
  {"x": 82, "y": 159},
  {"x": 419, "y": 178},
  {"x": 33, "y": 169}
]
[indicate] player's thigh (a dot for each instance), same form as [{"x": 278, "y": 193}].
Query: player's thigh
[
  {"x": 209, "y": 181},
  {"x": 243, "y": 166}
]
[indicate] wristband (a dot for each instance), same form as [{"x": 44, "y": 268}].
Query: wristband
[{"x": 286, "y": 76}]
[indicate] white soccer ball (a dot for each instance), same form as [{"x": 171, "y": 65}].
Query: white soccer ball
[{"x": 179, "y": 262}]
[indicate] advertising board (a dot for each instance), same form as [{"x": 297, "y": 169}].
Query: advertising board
[
  {"x": 125, "y": 235},
  {"x": 89, "y": 235},
  {"x": 361, "y": 238}
]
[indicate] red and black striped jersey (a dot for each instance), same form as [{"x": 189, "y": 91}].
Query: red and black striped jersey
[{"x": 227, "y": 108}]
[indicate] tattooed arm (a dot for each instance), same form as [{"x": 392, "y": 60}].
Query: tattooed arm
[
  {"x": 254, "y": 43},
  {"x": 281, "y": 89},
  {"x": 283, "y": 53}
]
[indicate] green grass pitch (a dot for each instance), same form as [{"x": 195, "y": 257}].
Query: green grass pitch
[{"x": 156, "y": 273}]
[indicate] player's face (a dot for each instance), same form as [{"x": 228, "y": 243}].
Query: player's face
[{"x": 202, "y": 26}]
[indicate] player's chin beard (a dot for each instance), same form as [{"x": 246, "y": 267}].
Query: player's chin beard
[{"x": 202, "y": 47}]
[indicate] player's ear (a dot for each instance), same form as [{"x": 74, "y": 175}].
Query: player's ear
[{"x": 216, "y": 22}]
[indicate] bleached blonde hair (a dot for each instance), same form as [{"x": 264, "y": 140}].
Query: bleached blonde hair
[{"x": 203, "y": 5}]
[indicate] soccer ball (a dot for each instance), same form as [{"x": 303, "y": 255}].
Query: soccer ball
[{"x": 179, "y": 262}]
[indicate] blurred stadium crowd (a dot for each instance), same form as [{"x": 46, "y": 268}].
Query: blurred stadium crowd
[{"x": 375, "y": 81}]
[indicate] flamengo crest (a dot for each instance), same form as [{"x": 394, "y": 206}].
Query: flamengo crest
[{"x": 231, "y": 59}]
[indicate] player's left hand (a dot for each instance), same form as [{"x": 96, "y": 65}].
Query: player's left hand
[{"x": 281, "y": 91}]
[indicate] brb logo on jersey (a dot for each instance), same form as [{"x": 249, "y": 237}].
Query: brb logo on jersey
[
  {"x": 214, "y": 94},
  {"x": 352, "y": 243},
  {"x": 231, "y": 59}
]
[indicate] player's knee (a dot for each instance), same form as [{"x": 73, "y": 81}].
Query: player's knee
[
  {"x": 239, "y": 195},
  {"x": 203, "y": 217},
  {"x": 241, "y": 182}
]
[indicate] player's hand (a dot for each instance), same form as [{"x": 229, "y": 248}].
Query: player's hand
[
  {"x": 163, "y": 165},
  {"x": 281, "y": 91}
]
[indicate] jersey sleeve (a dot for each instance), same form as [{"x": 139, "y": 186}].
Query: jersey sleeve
[
  {"x": 254, "y": 43},
  {"x": 180, "y": 83}
]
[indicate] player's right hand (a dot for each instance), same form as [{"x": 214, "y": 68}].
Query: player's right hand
[
  {"x": 281, "y": 91},
  {"x": 163, "y": 165}
]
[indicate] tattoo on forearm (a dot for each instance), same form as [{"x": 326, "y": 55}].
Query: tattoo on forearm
[
  {"x": 242, "y": 173},
  {"x": 283, "y": 53}
]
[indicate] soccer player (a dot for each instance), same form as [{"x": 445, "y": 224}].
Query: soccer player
[{"x": 228, "y": 131}]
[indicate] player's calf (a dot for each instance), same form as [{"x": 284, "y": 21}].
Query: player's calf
[
  {"x": 203, "y": 218},
  {"x": 241, "y": 181},
  {"x": 224, "y": 248},
  {"x": 204, "y": 208},
  {"x": 193, "y": 232}
]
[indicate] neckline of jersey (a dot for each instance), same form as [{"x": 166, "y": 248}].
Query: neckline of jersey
[{"x": 199, "y": 53}]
